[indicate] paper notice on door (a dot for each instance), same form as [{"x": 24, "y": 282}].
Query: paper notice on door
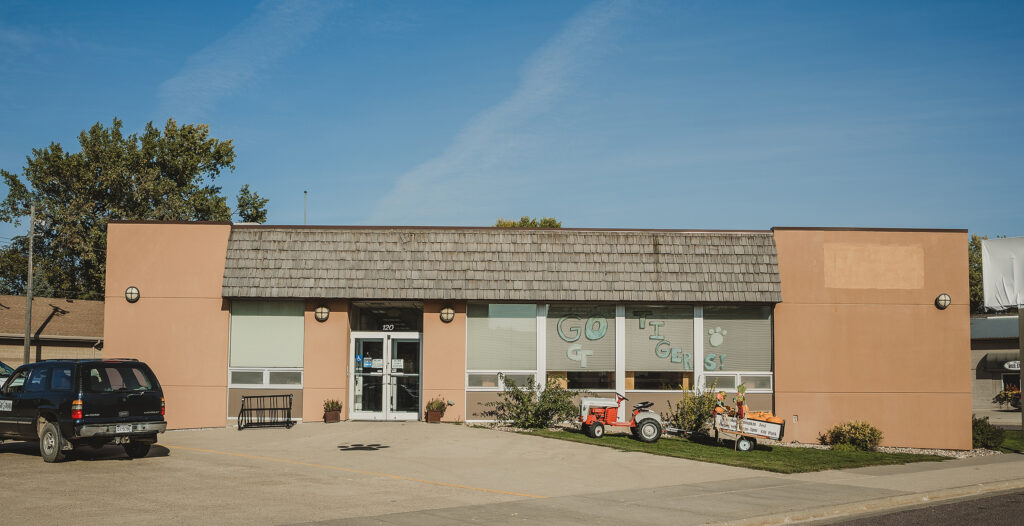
[
  {"x": 367, "y": 362},
  {"x": 397, "y": 363},
  {"x": 378, "y": 363}
]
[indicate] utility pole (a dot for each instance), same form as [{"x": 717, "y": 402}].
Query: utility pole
[
  {"x": 1020, "y": 357},
  {"x": 28, "y": 295}
]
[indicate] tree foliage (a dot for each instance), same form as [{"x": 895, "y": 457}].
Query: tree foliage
[
  {"x": 164, "y": 174},
  {"x": 250, "y": 207},
  {"x": 974, "y": 272},
  {"x": 529, "y": 222}
]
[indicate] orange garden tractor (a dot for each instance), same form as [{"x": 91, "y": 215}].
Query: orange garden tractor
[{"x": 596, "y": 413}]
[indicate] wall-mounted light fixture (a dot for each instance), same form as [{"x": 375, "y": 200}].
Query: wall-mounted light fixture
[
  {"x": 942, "y": 301},
  {"x": 322, "y": 313},
  {"x": 447, "y": 313},
  {"x": 132, "y": 294}
]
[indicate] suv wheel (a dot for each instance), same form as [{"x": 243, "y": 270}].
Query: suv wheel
[
  {"x": 51, "y": 443},
  {"x": 136, "y": 449}
]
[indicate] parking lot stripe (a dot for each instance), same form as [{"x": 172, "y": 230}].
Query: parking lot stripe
[{"x": 353, "y": 470}]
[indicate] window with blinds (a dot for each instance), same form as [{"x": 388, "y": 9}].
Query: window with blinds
[
  {"x": 581, "y": 338},
  {"x": 501, "y": 337},
  {"x": 659, "y": 347},
  {"x": 737, "y": 338},
  {"x": 266, "y": 334}
]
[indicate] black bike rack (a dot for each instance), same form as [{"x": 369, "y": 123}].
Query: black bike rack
[{"x": 265, "y": 411}]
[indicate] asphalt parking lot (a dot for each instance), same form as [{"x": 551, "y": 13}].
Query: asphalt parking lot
[{"x": 409, "y": 473}]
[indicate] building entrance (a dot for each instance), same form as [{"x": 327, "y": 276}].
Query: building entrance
[{"x": 385, "y": 376}]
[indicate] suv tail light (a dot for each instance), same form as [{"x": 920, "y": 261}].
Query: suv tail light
[
  {"x": 76, "y": 410},
  {"x": 163, "y": 407}
]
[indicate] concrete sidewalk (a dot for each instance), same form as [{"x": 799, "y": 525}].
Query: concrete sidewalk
[
  {"x": 454, "y": 474},
  {"x": 422, "y": 474}
]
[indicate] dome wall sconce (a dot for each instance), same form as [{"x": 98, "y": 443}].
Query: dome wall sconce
[
  {"x": 447, "y": 314},
  {"x": 942, "y": 301},
  {"x": 322, "y": 313},
  {"x": 132, "y": 294}
]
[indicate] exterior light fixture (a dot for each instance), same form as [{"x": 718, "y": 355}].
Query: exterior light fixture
[
  {"x": 131, "y": 294},
  {"x": 942, "y": 301},
  {"x": 447, "y": 313},
  {"x": 321, "y": 313}
]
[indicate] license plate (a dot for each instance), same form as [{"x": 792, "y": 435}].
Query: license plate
[{"x": 125, "y": 428}]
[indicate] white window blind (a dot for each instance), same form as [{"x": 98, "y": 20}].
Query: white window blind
[
  {"x": 266, "y": 333},
  {"x": 501, "y": 337}
]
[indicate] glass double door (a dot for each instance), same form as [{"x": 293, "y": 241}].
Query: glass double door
[{"x": 385, "y": 376}]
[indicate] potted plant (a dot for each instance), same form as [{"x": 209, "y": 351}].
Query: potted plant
[
  {"x": 435, "y": 410},
  {"x": 332, "y": 411}
]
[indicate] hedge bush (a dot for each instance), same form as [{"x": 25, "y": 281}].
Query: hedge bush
[
  {"x": 693, "y": 413},
  {"x": 860, "y": 435},
  {"x": 984, "y": 434},
  {"x": 530, "y": 407}
]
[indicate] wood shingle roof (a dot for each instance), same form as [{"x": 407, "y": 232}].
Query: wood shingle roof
[{"x": 489, "y": 264}]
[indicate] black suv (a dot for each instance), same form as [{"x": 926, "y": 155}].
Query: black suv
[{"x": 65, "y": 404}]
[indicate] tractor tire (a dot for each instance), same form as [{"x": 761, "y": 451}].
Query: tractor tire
[
  {"x": 648, "y": 430},
  {"x": 597, "y": 430},
  {"x": 51, "y": 443},
  {"x": 585, "y": 428}
]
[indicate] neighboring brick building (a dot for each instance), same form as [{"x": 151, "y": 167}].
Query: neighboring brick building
[{"x": 61, "y": 328}]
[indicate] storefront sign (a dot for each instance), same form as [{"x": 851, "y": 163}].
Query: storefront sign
[{"x": 1012, "y": 366}]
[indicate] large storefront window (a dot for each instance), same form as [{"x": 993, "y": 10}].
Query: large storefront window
[
  {"x": 659, "y": 348},
  {"x": 266, "y": 343},
  {"x": 581, "y": 346},
  {"x": 501, "y": 345},
  {"x": 738, "y": 339}
]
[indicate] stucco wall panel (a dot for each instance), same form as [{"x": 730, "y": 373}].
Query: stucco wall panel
[
  {"x": 928, "y": 420},
  {"x": 325, "y": 358},
  {"x": 871, "y": 348},
  {"x": 444, "y": 358},
  {"x": 846, "y": 351},
  {"x": 180, "y": 325}
]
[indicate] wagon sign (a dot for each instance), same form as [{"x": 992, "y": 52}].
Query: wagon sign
[{"x": 751, "y": 427}]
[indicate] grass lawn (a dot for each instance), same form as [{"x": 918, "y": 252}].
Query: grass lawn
[
  {"x": 777, "y": 459},
  {"x": 1014, "y": 442}
]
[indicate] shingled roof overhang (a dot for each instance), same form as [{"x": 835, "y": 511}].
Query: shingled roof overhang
[{"x": 490, "y": 264}]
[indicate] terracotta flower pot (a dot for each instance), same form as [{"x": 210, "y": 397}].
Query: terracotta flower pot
[
  {"x": 434, "y": 417},
  {"x": 332, "y": 416}
]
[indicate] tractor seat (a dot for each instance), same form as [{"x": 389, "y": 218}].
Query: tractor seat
[{"x": 643, "y": 405}]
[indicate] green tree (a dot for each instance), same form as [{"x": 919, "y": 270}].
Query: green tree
[
  {"x": 165, "y": 175},
  {"x": 974, "y": 273},
  {"x": 250, "y": 207},
  {"x": 529, "y": 222}
]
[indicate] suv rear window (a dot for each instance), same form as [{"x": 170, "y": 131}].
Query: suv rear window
[{"x": 116, "y": 377}]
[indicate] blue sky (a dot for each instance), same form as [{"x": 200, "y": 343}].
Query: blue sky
[{"x": 603, "y": 114}]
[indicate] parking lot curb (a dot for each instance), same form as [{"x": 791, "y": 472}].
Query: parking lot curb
[{"x": 878, "y": 505}]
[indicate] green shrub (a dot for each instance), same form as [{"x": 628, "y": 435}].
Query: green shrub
[
  {"x": 844, "y": 447},
  {"x": 860, "y": 435},
  {"x": 984, "y": 434},
  {"x": 332, "y": 405},
  {"x": 530, "y": 407},
  {"x": 693, "y": 413}
]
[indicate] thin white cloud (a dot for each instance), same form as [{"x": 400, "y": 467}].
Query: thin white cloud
[
  {"x": 275, "y": 29},
  {"x": 468, "y": 170}
]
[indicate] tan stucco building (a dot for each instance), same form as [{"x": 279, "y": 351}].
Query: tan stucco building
[{"x": 821, "y": 325}]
